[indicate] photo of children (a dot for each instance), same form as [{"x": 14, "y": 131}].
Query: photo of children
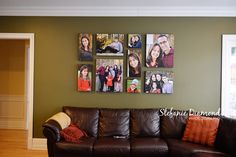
[
  {"x": 84, "y": 77},
  {"x": 134, "y": 63},
  {"x": 134, "y": 41},
  {"x": 109, "y": 75},
  {"x": 160, "y": 50},
  {"x": 133, "y": 86},
  {"x": 110, "y": 44},
  {"x": 85, "y": 47},
  {"x": 159, "y": 82}
]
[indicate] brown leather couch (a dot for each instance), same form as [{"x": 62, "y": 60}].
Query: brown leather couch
[{"x": 134, "y": 133}]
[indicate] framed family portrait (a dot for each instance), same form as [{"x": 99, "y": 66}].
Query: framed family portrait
[
  {"x": 135, "y": 41},
  {"x": 85, "y": 47},
  {"x": 160, "y": 50},
  {"x": 134, "y": 63},
  {"x": 110, "y": 44},
  {"x": 85, "y": 77},
  {"x": 159, "y": 82},
  {"x": 109, "y": 75},
  {"x": 133, "y": 85}
]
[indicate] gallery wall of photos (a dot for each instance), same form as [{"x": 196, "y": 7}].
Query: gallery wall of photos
[{"x": 107, "y": 75}]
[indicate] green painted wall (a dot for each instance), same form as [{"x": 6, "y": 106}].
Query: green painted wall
[{"x": 197, "y": 61}]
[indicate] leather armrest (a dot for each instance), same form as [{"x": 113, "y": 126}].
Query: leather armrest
[
  {"x": 52, "y": 130},
  {"x": 54, "y": 125}
]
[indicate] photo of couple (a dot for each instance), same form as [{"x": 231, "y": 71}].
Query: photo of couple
[
  {"x": 110, "y": 44},
  {"x": 160, "y": 50},
  {"x": 134, "y": 41},
  {"x": 159, "y": 82}
]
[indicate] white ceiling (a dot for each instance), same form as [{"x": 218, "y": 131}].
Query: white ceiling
[{"x": 118, "y": 8}]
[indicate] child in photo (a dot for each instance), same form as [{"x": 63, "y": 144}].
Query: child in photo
[
  {"x": 133, "y": 87},
  {"x": 84, "y": 82}
]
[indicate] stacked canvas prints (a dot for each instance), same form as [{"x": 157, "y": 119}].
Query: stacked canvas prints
[{"x": 119, "y": 63}]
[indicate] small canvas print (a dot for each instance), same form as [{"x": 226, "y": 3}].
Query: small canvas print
[
  {"x": 160, "y": 50},
  {"x": 109, "y": 75},
  {"x": 110, "y": 44},
  {"x": 133, "y": 86},
  {"x": 134, "y": 41},
  {"x": 134, "y": 63},
  {"x": 85, "y": 77},
  {"x": 85, "y": 47},
  {"x": 159, "y": 82}
]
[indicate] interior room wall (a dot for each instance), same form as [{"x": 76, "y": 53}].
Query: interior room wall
[
  {"x": 12, "y": 67},
  {"x": 197, "y": 61}
]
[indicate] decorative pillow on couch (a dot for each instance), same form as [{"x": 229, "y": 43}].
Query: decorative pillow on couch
[
  {"x": 72, "y": 133},
  {"x": 201, "y": 130}
]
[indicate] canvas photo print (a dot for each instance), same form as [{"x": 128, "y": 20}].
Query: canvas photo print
[
  {"x": 159, "y": 82},
  {"x": 110, "y": 44},
  {"x": 85, "y": 47},
  {"x": 160, "y": 50},
  {"x": 133, "y": 85},
  {"x": 134, "y": 63},
  {"x": 85, "y": 77},
  {"x": 134, "y": 41},
  {"x": 109, "y": 75}
]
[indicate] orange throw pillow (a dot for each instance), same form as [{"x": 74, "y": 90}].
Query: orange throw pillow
[{"x": 201, "y": 130}]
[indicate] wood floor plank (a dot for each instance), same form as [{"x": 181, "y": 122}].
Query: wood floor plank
[{"x": 13, "y": 143}]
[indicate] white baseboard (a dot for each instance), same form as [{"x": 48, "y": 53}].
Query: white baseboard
[{"x": 39, "y": 144}]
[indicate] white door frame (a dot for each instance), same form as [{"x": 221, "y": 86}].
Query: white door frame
[{"x": 29, "y": 80}]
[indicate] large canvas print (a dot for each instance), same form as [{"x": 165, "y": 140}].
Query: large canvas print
[
  {"x": 85, "y": 77},
  {"x": 110, "y": 44},
  {"x": 159, "y": 82},
  {"x": 85, "y": 47},
  {"x": 134, "y": 63},
  {"x": 109, "y": 75},
  {"x": 160, "y": 50}
]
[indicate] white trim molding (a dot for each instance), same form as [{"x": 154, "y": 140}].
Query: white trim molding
[
  {"x": 30, "y": 80},
  {"x": 164, "y": 11},
  {"x": 39, "y": 144}
]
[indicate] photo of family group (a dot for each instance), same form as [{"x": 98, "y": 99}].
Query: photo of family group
[
  {"x": 159, "y": 82},
  {"x": 85, "y": 77},
  {"x": 133, "y": 86},
  {"x": 109, "y": 75},
  {"x": 134, "y": 41},
  {"x": 85, "y": 47},
  {"x": 160, "y": 50},
  {"x": 110, "y": 44},
  {"x": 134, "y": 63}
]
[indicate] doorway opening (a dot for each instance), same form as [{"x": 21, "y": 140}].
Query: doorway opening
[{"x": 28, "y": 38}]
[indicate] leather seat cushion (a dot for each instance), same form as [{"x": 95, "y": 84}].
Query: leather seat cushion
[
  {"x": 111, "y": 147},
  {"x": 85, "y": 147},
  {"x": 187, "y": 149},
  {"x": 151, "y": 147},
  {"x": 210, "y": 155}
]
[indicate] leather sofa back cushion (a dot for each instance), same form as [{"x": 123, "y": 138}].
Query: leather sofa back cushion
[
  {"x": 84, "y": 118},
  {"x": 172, "y": 125},
  {"x": 201, "y": 130},
  {"x": 226, "y": 137},
  {"x": 145, "y": 122},
  {"x": 114, "y": 122}
]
